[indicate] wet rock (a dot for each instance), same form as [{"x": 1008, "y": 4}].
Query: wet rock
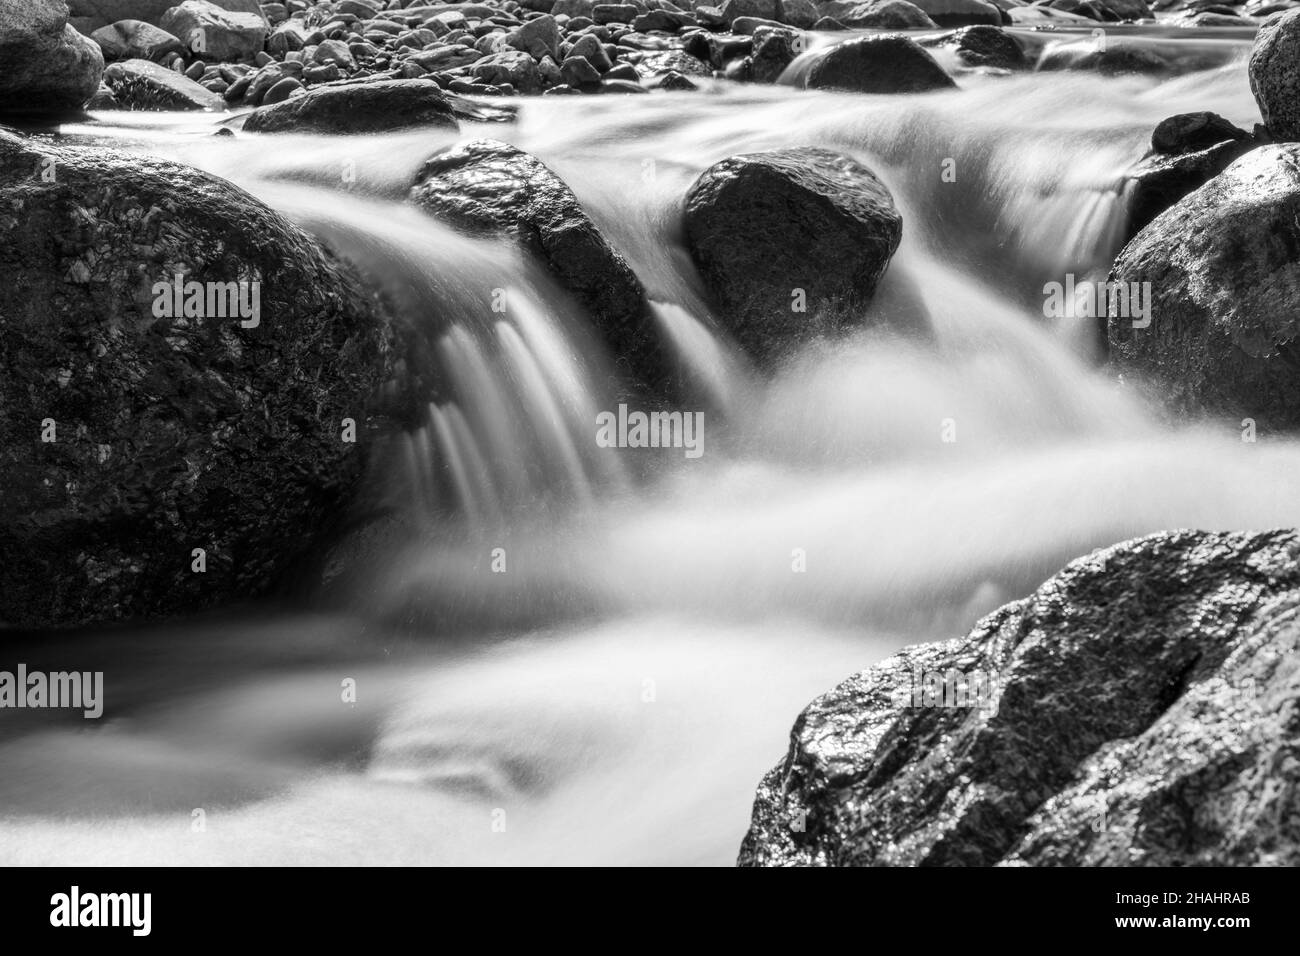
[
  {"x": 960, "y": 13},
  {"x": 214, "y": 33},
  {"x": 878, "y": 15},
  {"x": 763, "y": 225},
  {"x": 538, "y": 37},
  {"x": 762, "y": 9},
  {"x": 801, "y": 14},
  {"x": 775, "y": 48},
  {"x": 509, "y": 66},
  {"x": 577, "y": 71},
  {"x": 1112, "y": 60},
  {"x": 93, "y": 14},
  {"x": 47, "y": 68},
  {"x": 878, "y": 64},
  {"x": 1225, "y": 308},
  {"x": 985, "y": 46},
  {"x": 1275, "y": 75},
  {"x": 614, "y": 13},
  {"x": 1105, "y": 11},
  {"x": 672, "y": 82},
  {"x": 167, "y": 433},
  {"x": 144, "y": 85},
  {"x": 374, "y": 107},
  {"x": 490, "y": 188},
  {"x": 674, "y": 61},
  {"x": 136, "y": 40},
  {"x": 1187, "y": 150},
  {"x": 1136, "y": 710}
]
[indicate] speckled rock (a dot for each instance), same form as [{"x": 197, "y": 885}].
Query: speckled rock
[
  {"x": 763, "y": 225},
  {"x": 132, "y": 435},
  {"x": 1225, "y": 306},
  {"x": 485, "y": 187},
  {"x": 1275, "y": 75},
  {"x": 142, "y": 85},
  {"x": 1139, "y": 709},
  {"x": 46, "y": 66}
]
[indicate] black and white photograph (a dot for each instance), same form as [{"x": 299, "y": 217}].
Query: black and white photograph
[{"x": 651, "y": 434}]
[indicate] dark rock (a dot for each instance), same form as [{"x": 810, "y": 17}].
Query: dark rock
[
  {"x": 136, "y": 40},
  {"x": 509, "y": 66},
  {"x": 282, "y": 90},
  {"x": 878, "y": 64},
  {"x": 1137, "y": 710},
  {"x": 1105, "y": 11},
  {"x": 170, "y": 433},
  {"x": 618, "y": 85},
  {"x": 614, "y": 13},
  {"x": 359, "y": 108},
  {"x": 489, "y": 188},
  {"x": 763, "y": 225},
  {"x": 1187, "y": 150},
  {"x": 1275, "y": 75},
  {"x": 142, "y": 85},
  {"x": 801, "y": 14},
  {"x": 986, "y": 46},
  {"x": 1225, "y": 281},
  {"x": 93, "y": 14},
  {"x": 672, "y": 82},
  {"x": 578, "y": 71},
  {"x": 538, "y": 37},
  {"x": 774, "y": 50},
  {"x": 667, "y": 21},
  {"x": 960, "y": 13},
  {"x": 763, "y": 9},
  {"x": 1115, "y": 59},
  {"x": 46, "y": 66}
]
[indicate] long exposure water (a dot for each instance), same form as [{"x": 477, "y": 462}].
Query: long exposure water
[{"x": 615, "y": 695}]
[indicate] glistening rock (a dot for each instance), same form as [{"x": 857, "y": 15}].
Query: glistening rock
[{"x": 1139, "y": 709}]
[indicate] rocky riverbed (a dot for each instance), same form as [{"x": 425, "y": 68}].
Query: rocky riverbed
[{"x": 163, "y": 457}]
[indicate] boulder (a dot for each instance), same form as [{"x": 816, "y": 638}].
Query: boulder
[
  {"x": 92, "y": 14},
  {"x": 136, "y": 40},
  {"x": 801, "y": 14},
  {"x": 537, "y": 37},
  {"x": 878, "y": 15},
  {"x": 134, "y": 436},
  {"x": 214, "y": 34},
  {"x": 373, "y": 107},
  {"x": 1137, "y": 710},
  {"x": 47, "y": 68},
  {"x": 1225, "y": 306},
  {"x": 1113, "y": 60},
  {"x": 488, "y": 188},
  {"x": 1187, "y": 151},
  {"x": 762, "y": 9},
  {"x": 960, "y": 13},
  {"x": 509, "y": 66},
  {"x": 878, "y": 64},
  {"x": 144, "y": 85},
  {"x": 1275, "y": 75},
  {"x": 986, "y": 46},
  {"x": 763, "y": 225},
  {"x": 775, "y": 48},
  {"x": 1105, "y": 11}
]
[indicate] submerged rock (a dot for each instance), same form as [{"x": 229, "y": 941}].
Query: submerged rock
[
  {"x": 1139, "y": 709},
  {"x": 1225, "y": 310},
  {"x": 791, "y": 242},
  {"x": 134, "y": 435},
  {"x": 489, "y": 188},
  {"x": 878, "y": 64},
  {"x": 47, "y": 68},
  {"x": 1275, "y": 75}
]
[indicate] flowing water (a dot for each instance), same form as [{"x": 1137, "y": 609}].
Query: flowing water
[{"x": 615, "y": 695}]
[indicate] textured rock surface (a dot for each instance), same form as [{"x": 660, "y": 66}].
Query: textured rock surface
[
  {"x": 1225, "y": 304},
  {"x": 486, "y": 187},
  {"x": 98, "y": 13},
  {"x": 210, "y": 31},
  {"x": 170, "y": 433},
  {"x": 878, "y": 14},
  {"x": 135, "y": 39},
  {"x": 46, "y": 66},
  {"x": 985, "y": 46},
  {"x": 879, "y": 64},
  {"x": 142, "y": 85},
  {"x": 1275, "y": 75},
  {"x": 1141, "y": 711},
  {"x": 375, "y": 107},
  {"x": 763, "y": 225}
]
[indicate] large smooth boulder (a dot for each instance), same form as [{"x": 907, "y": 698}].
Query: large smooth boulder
[
  {"x": 142, "y": 85},
  {"x": 1187, "y": 151},
  {"x": 92, "y": 14},
  {"x": 214, "y": 34},
  {"x": 136, "y": 40},
  {"x": 878, "y": 64},
  {"x": 1139, "y": 709},
  {"x": 46, "y": 66},
  {"x": 1274, "y": 71},
  {"x": 376, "y": 107},
  {"x": 775, "y": 230},
  {"x": 133, "y": 435},
  {"x": 960, "y": 13},
  {"x": 489, "y": 188},
  {"x": 1225, "y": 306}
]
